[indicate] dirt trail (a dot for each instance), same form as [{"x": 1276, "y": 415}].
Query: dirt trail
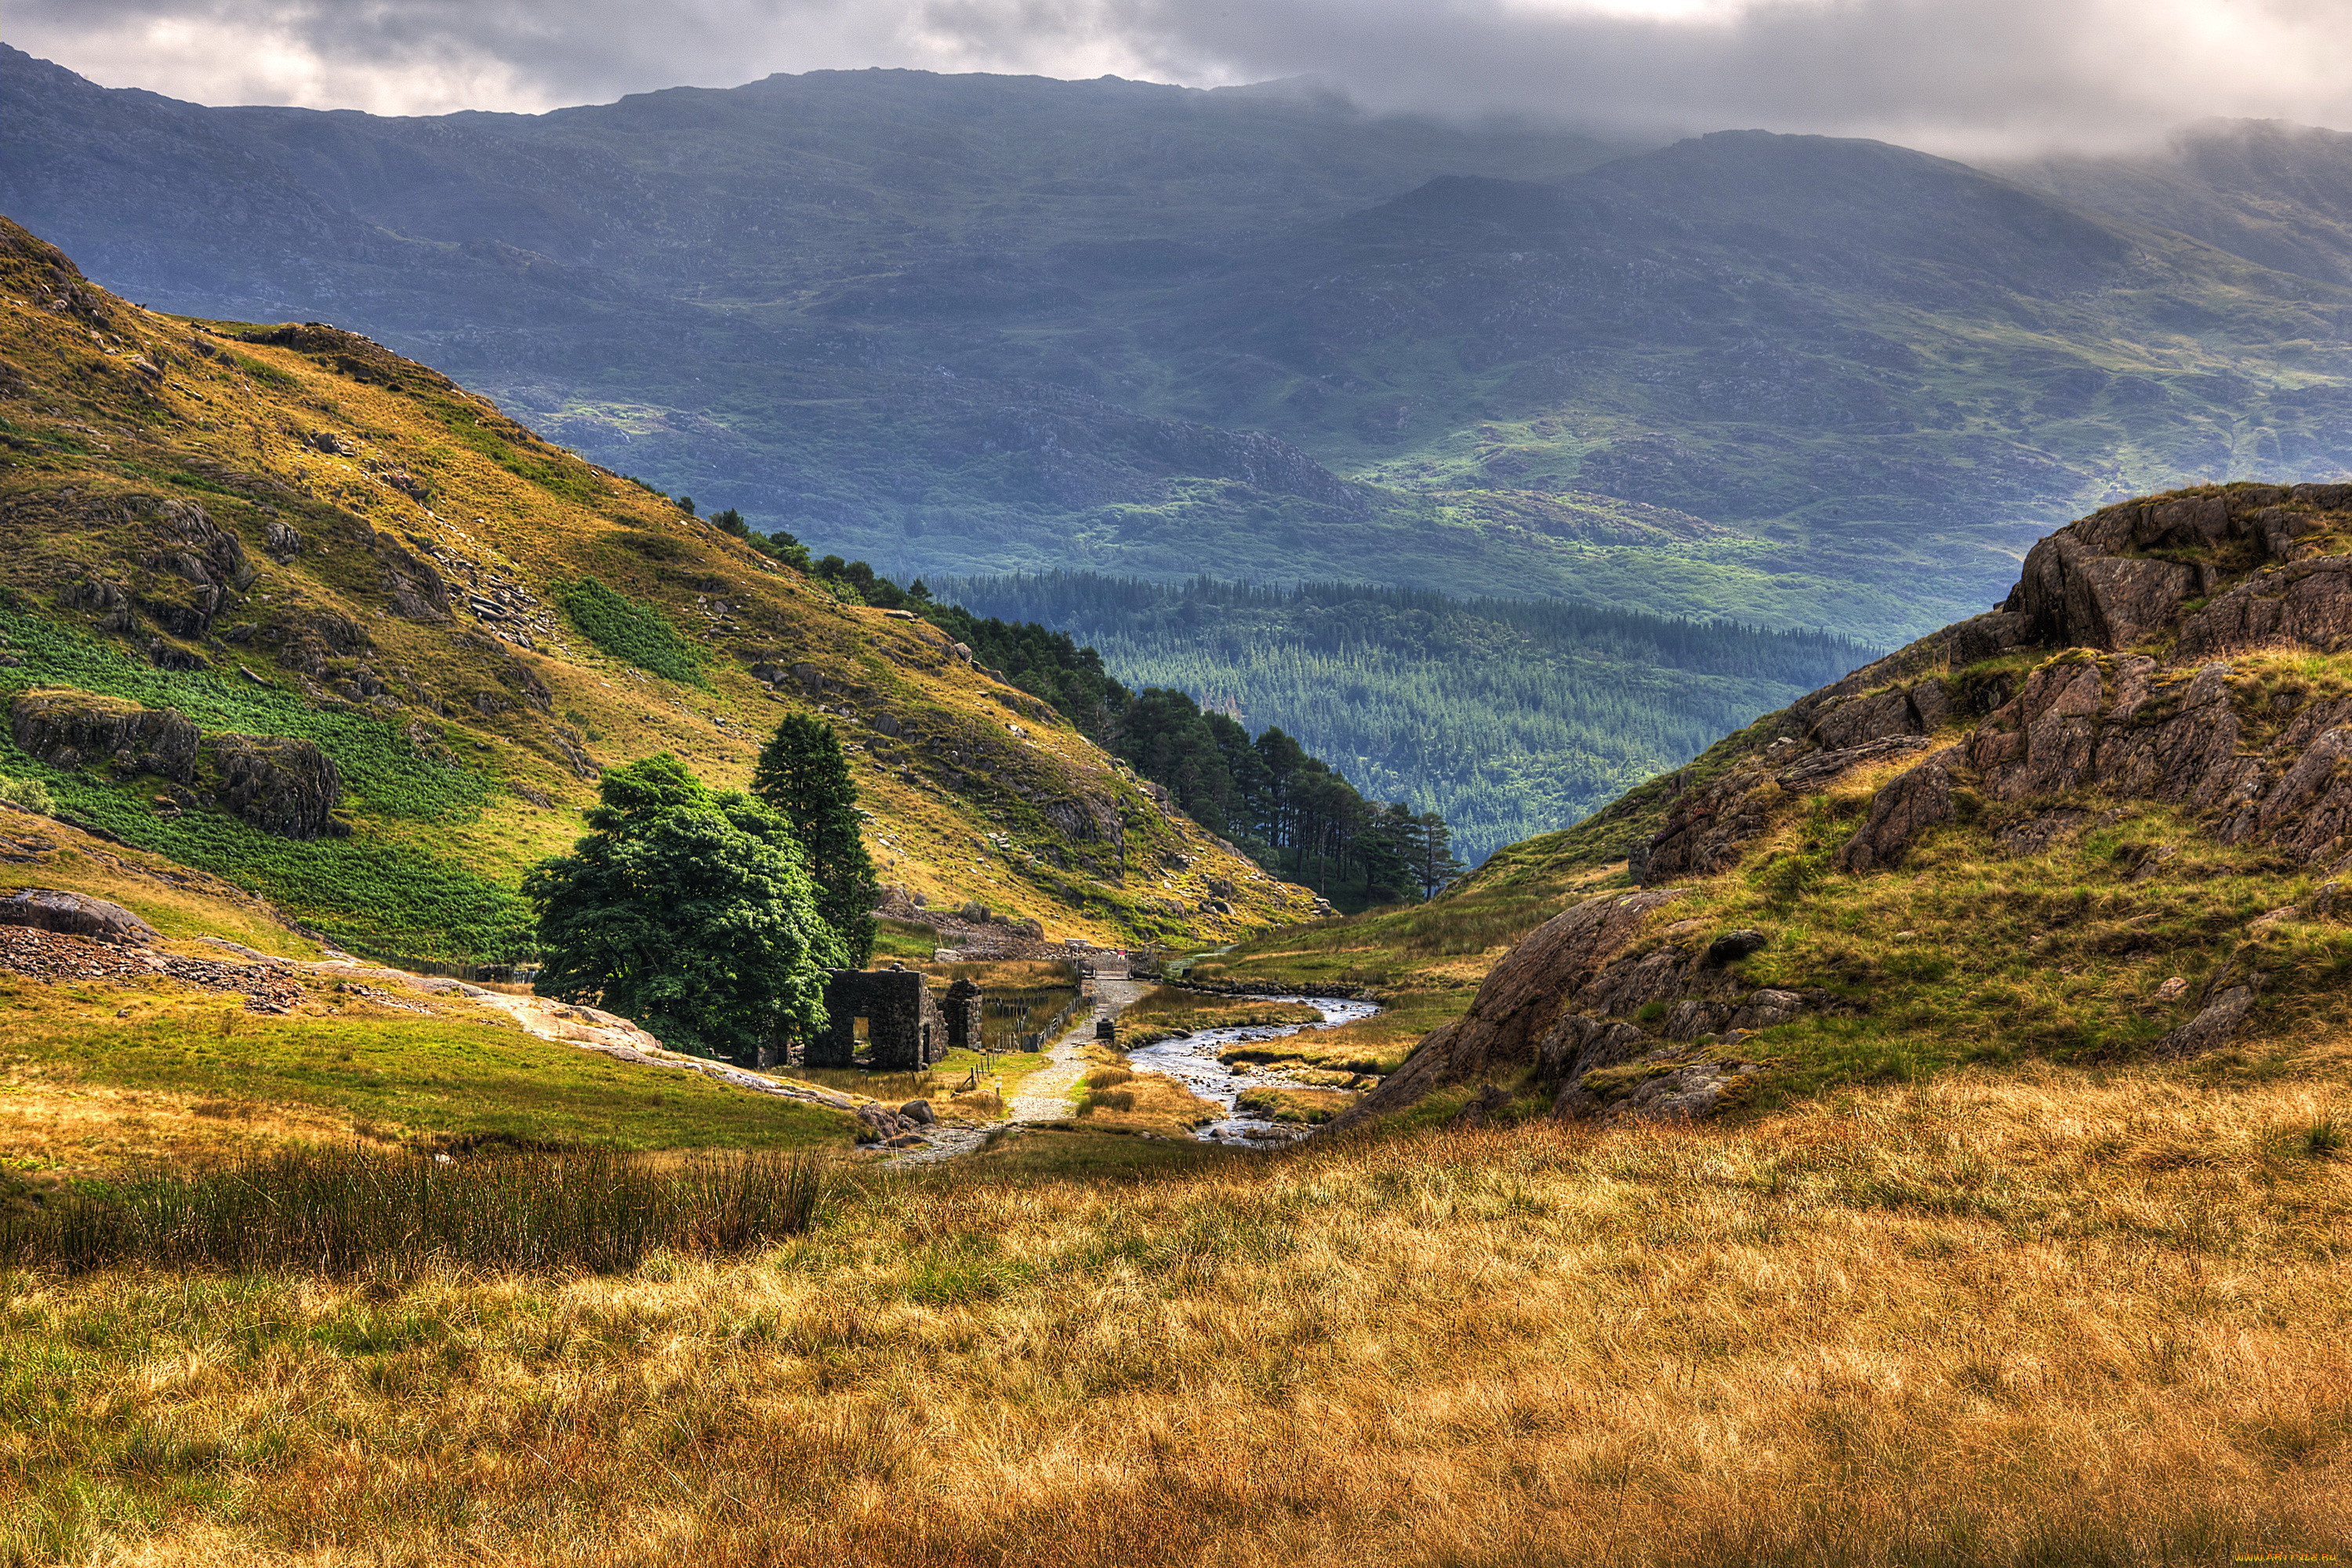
[{"x": 1045, "y": 1095}]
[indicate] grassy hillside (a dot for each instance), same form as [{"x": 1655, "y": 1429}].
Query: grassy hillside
[
  {"x": 2081, "y": 908},
  {"x": 291, "y": 533}
]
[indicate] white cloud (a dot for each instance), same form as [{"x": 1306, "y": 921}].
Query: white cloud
[{"x": 1961, "y": 75}]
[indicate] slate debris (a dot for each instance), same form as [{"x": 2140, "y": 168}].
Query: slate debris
[{"x": 53, "y": 957}]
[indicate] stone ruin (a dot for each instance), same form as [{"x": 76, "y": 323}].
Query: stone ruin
[
  {"x": 906, "y": 1029},
  {"x": 963, "y": 1017}
]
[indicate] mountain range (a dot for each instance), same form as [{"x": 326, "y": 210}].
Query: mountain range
[{"x": 980, "y": 323}]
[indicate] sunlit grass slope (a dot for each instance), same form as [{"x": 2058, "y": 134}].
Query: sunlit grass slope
[
  {"x": 471, "y": 622},
  {"x": 2022, "y": 1319}
]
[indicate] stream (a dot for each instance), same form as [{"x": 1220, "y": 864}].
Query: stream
[{"x": 1191, "y": 1060}]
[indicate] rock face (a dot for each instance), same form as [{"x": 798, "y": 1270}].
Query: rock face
[
  {"x": 2107, "y": 676},
  {"x": 287, "y": 787},
  {"x": 76, "y": 914},
  {"x": 77, "y": 729}
]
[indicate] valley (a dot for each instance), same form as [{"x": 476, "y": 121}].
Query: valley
[{"x": 914, "y": 819}]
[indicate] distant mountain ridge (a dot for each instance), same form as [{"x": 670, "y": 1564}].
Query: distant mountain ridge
[{"x": 979, "y": 323}]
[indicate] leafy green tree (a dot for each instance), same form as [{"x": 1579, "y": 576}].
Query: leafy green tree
[
  {"x": 688, "y": 910},
  {"x": 802, "y": 773}
]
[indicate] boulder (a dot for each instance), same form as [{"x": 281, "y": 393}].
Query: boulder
[
  {"x": 880, "y": 1124},
  {"x": 1905, "y": 806},
  {"x": 1521, "y": 1001},
  {"x": 917, "y": 1111},
  {"x": 2306, "y": 602},
  {"x": 1734, "y": 945},
  {"x": 76, "y": 914},
  {"x": 2214, "y": 1024}
]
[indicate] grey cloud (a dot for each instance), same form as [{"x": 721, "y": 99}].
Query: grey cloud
[{"x": 1959, "y": 75}]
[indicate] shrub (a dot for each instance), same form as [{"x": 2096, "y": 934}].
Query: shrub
[{"x": 30, "y": 794}]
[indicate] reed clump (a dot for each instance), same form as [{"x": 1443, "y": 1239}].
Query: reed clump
[{"x": 343, "y": 1211}]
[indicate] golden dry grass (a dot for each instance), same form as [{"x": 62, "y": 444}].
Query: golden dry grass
[{"x": 2043, "y": 1318}]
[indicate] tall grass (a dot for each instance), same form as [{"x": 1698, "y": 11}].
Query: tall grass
[{"x": 350, "y": 1212}]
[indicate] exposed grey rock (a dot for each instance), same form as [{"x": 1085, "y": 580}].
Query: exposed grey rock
[
  {"x": 283, "y": 786},
  {"x": 1765, "y": 1009},
  {"x": 1520, "y": 1001},
  {"x": 880, "y": 1124},
  {"x": 1904, "y": 807},
  {"x": 1578, "y": 1044},
  {"x": 1686, "y": 1094},
  {"x": 2308, "y": 601},
  {"x": 1734, "y": 945},
  {"x": 2213, "y": 1026},
  {"x": 917, "y": 1111},
  {"x": 76, "y": 914},
  {"x": 77, "y": 729}
]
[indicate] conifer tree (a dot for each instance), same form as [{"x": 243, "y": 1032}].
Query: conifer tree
[{"x": 803, "y": 775}]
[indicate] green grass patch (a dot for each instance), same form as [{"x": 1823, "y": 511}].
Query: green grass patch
[
  {"x": 438, "y": 1079},
  {"x": 368, "y": 892},
  {"x": 634, "y": 632}
]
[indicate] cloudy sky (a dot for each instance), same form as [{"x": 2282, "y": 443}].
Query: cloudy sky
[{"x": 1957, "y": 75}]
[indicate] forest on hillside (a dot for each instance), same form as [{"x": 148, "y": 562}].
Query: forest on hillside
[{"x": 1506, "y": 717}]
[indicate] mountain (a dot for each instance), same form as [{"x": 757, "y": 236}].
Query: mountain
[
  {"x": 297, "y": 612},
  {"x": 2105, "y": 823},
  {"x": 978, "y": 324},
  {"x": 2277, "y": 194}
]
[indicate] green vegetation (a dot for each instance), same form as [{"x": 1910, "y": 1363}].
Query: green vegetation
[
  {"x": 689, "y": 912},
  {"x": 635, "y": 633},
  {"x": 803, "y": 775},
  {"x": 348, "y": 1064},
  {"x": 1506, "y": 717},
  {"x": 353, "y": 1212},
  {"x": 30, "y": 794},
  {"x": 375, "y": 892}
]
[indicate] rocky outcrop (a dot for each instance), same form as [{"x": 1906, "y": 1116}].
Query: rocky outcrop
[
  {"x": 1906, "y": 806},
  {"x": 1521, "y": 1001},
  {"x": 2128, "y": 620},
  {"x": 78, "y": 730},
  {"x": 2215, "y": 1023},
  {"x": 76, "y": 914},
  {"x": 287, "y": 787},
  {"x": 1708, "y": 830}
]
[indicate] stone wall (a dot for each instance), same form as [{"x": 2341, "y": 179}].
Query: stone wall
[{"x": 905, "y": 1029}]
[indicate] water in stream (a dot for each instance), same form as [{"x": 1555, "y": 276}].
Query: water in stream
[{"x": 1193, "y": 1061}]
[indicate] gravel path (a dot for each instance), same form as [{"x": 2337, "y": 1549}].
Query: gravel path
[{"x": 1044, "y": 1095}]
